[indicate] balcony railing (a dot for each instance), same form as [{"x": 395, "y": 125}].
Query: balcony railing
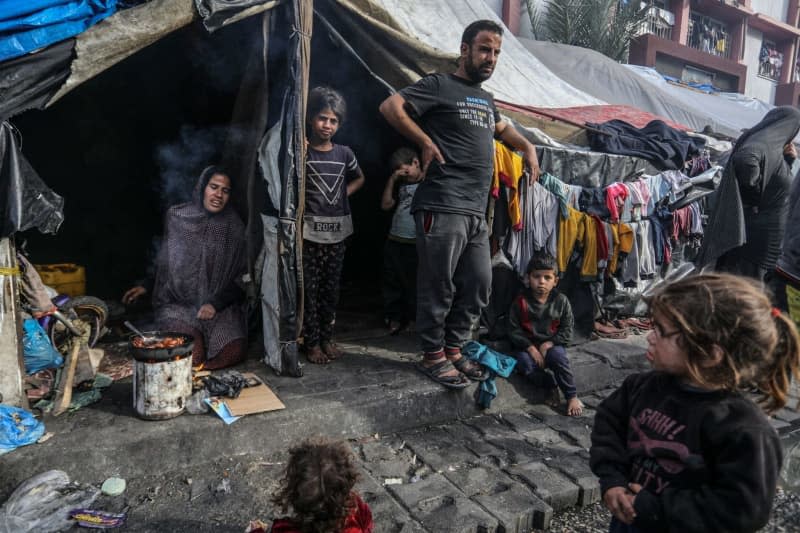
[
  {"x": 659, "y": 22},
  {"x": 711, "y": 39}
]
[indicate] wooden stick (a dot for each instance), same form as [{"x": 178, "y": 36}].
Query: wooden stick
[{"x": 64, "y": 395}]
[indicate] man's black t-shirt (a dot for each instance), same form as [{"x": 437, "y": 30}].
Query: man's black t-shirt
[{"x": 460, "y": 118}]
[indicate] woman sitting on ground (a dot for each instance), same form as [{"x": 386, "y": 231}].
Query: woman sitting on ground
[{"x": 199, "y": 269}]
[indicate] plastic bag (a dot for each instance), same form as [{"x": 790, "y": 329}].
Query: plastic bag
[
  {"x": 17, "y": 428},
  {"x": 37, "y": 349},
  {"x": 43, "y": 504}
]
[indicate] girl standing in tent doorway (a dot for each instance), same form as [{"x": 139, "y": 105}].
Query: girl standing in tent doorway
[{"x": 332, "y": 175}]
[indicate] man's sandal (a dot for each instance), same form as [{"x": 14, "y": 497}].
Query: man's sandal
[
  {"x": 469, "y": 368},
  {"x": 437, "y": 373}
]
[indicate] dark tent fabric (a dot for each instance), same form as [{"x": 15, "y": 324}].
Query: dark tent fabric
[
  {"x": 666, "y": 148},
  {"x": 26, "y": 201},
  {"x": 219, "y": 13},
  {"x": 28, "y": 25},
  {"x": 30, "y": 81}
]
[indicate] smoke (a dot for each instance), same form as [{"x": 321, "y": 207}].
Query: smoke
[{"x": 181, "y": 161}]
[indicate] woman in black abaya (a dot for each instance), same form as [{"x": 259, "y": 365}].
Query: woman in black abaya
[{"x": 749, "y": 218}]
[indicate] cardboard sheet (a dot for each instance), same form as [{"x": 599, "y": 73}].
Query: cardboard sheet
[{"x": 254, "y": 399}]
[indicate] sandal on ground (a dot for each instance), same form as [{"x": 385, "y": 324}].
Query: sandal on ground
[
  {"x": 472, "y": 370},
  {"x": 331, "y": 350},
  {"x": 316, "y": 356},
  {"x": 437, "y": 373}
]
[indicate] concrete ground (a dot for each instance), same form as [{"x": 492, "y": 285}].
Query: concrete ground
[{"x": 430, "y": 459}]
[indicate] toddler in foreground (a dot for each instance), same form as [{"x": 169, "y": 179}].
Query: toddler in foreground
[
  {"x": 318, "y": 490},
  {"x": 680, "y": 448}
]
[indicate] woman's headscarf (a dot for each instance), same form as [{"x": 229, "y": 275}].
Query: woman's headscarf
[
  {"x": 201, "y": 256},
  {"x": 764, "y": 142}
]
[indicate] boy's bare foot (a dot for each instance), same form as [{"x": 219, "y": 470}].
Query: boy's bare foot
[
  {"x": 331, "y": 350},
  {"x": 316, "y": 355},
  {"x": 574, "y": 407}
]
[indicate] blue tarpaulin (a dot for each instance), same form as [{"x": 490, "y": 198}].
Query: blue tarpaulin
[{"x": 28, "y": 25}]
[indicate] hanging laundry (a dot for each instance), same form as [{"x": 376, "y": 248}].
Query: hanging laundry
[
  {"x": 508, "y": 169},
  {"x": 647, "y": 257},
  {"x": 629, "y": 268},
  {"x": 540, "y": 215},
  {"x": 570, "y": 232},
  {"x": 623, "y": 245},
  {"x": 559, "y": 189},
  {"x": 615, "y": 199},
  {"x": 593, "y": 202},
  {"x": 589, "y": 263}
]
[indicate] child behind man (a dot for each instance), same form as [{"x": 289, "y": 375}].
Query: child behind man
[
  {"x": 400, "y": 251},
  {"x": 540, "y": 325},
  {"x": 681, "y": 448},
  {"x": 332, "y": 175},
  {"x": 318, "y": 489}
]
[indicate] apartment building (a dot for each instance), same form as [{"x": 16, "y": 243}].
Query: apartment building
[{"x": 744, "y": 46}]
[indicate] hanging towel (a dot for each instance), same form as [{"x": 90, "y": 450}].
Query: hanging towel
[{"x": 498, "y": 364}]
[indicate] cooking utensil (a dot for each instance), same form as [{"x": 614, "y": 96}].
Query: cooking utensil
[
  {"x": 149, "y": 353},
  {"x": 147, "y": 339}
]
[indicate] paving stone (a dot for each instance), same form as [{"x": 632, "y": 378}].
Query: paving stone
[
  {"x": 440, "y": 507},
  {"x": 512, "y": 446},
  {"x": 550, "y": 443},
  {"x": 788, "y": 415},
  {"x": 578, "y": 428},
  {"x": 516, "y": 508},
  {"x": 548, "y": 484},
  {"x": 619, "y": 355},
  {"x": 780, "y": 426},
  {"x": 387, "y": 459},
  {"x": 486, "y": 425},
  {"x": 437, "y": 448},
  {"x": 471, "y": 440},
  {"x": 590, "y": 372},
  {"x": 591, "y": 400},
  {"x": 576, "y": 468},
  {"x": 388, "y": 515},
  {"x": 520, "y": 422}
]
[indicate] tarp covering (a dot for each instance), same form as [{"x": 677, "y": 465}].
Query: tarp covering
[
  {"x": 122, "y": 35},
  {"x": 219, "y": 13},
  {"x": 603, "y": 113},
  {"x": 415, "y": 38},
  {"x": 25, "y": 201},
  {"x": 645, "y": 89},
  {"x": 27, "y": 25},
  {"x": 30, "y": 81}
]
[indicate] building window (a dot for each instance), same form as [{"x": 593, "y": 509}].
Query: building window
[
  {"x": 697, "y": 76},
  {"x": 709, "y": 35},
  {"x": 770, "y": 61}
]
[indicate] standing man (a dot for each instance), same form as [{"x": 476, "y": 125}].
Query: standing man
[{"x": 453, "y": 121}]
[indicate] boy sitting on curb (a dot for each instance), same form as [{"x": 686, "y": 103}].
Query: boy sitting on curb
[{"x": 540, "y": 326}]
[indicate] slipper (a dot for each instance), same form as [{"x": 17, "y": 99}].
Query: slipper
[
  {"x": 621, "y": 334},
  {"x": 469, "y": 368},
  {"x": 436, "y": 373}
]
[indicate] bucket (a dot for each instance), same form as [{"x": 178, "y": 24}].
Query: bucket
[
  {"x": 66, "y": 278},
  {"x": 160, "y": 389},
  {"x": 162, "y": 378}
]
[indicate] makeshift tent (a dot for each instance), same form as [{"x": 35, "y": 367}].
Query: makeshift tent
[
  {"x": 362, "y": 47},
  {"x": 613, "y": 83}
]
